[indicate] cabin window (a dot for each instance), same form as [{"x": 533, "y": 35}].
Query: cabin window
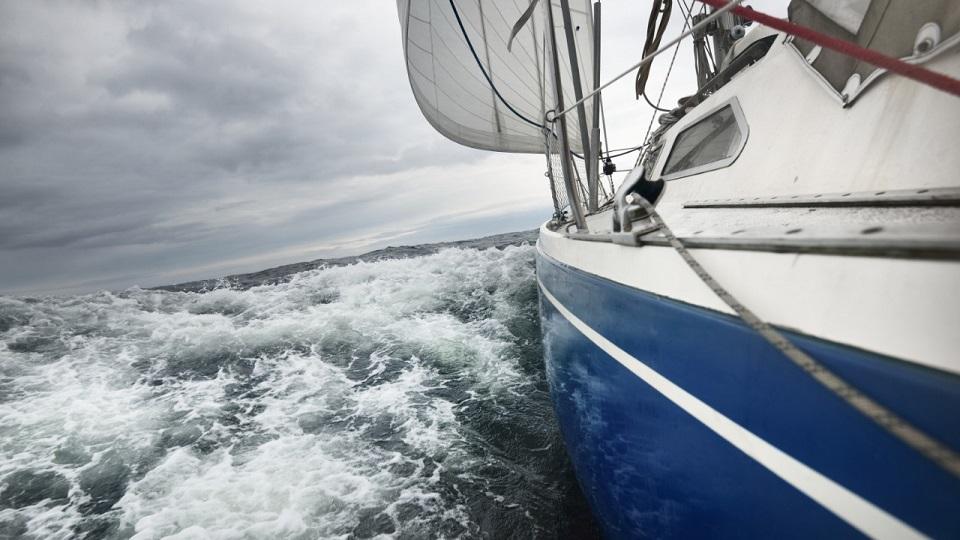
[{"x": 713, "y": 142}]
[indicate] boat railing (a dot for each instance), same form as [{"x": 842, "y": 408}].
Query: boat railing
[{"x": 558, "y": 191}]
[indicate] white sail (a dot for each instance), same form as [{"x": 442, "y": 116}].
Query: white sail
[{"x": 474, "y": 90}]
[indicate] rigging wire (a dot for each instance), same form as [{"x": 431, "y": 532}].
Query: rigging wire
[
  {"x": 687, "y": 21},
  {"x": 647, "y": 59},
  {"x": 708, "y": 47},
  {"x": 603, "y": 120},
  {"x": 576, "y": 43},
  {"x": 483, "y": 70},
  {"x": 625, "y": 152},
  {"x": 606, "y": 144}
]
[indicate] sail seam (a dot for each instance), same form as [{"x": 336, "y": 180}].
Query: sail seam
[{"x": 484, "y": 71}]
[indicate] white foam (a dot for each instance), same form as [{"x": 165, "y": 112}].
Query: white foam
[{"x": 290, "y": 425}]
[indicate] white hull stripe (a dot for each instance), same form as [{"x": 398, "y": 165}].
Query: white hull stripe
[{"x": 845, "y": 504}]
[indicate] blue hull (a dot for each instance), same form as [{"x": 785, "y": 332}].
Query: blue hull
[{"x": 651, "y": 469}]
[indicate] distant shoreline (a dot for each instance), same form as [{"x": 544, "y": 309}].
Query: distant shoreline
[{"x": 279, "y": 273}]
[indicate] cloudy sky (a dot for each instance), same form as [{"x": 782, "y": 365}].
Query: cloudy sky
[{"x": 144, "y": 143}]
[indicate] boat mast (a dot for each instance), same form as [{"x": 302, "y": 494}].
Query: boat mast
[
  {"x": 593, "y": 159},
  {"x": 700, "y": 56},
  {"x": 729, "y": 29},
  {"x": 578, "y": 94},
  {"x": 723, "y": 32},
  {"x": 573, "y": 196}
]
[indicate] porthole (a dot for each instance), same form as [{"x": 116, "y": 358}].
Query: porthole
[{"x": 712, "y": 142}]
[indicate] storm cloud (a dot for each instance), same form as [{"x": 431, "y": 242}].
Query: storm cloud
[
  {"x": 140, "y": 140},
  {"x": 147, "y": 142}
]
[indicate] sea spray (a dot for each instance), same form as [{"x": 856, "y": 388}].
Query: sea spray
[{"x": 400, "y": 397}]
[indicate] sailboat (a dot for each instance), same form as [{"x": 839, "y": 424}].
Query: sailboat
[{"x": 756, "y": 333}]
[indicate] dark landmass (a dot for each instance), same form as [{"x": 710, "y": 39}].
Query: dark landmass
[{"x": 282, "y": 273}]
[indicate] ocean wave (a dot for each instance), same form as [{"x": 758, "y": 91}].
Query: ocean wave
[{"x": 399, "y": 397}]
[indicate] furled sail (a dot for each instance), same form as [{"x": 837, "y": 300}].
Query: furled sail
[{"x": 476, "y": 91}]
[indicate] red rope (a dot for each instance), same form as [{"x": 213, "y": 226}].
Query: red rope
[{"x": 895, "y": 65}]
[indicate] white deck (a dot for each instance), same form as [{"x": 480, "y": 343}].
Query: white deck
[{"x": 899, "y": 135}]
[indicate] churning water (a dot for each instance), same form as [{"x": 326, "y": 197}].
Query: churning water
[{"x": 400, "y": 397}]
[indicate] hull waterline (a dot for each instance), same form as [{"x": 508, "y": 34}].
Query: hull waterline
[{"x": 682, "y": 422}]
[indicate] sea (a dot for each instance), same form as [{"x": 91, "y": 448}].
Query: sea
[{"x": 398, "y": 394}]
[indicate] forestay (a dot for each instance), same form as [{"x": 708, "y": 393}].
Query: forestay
[{"x": 476, "y": 91}]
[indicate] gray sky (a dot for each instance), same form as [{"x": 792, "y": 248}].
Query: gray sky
[{"x": 144, "y": 143}]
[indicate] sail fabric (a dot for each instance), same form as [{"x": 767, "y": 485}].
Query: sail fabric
[
  {"x": 887, "y": 26},
  {"x": 848, "y": 14},
  {"x": 487, "y": 96}
]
